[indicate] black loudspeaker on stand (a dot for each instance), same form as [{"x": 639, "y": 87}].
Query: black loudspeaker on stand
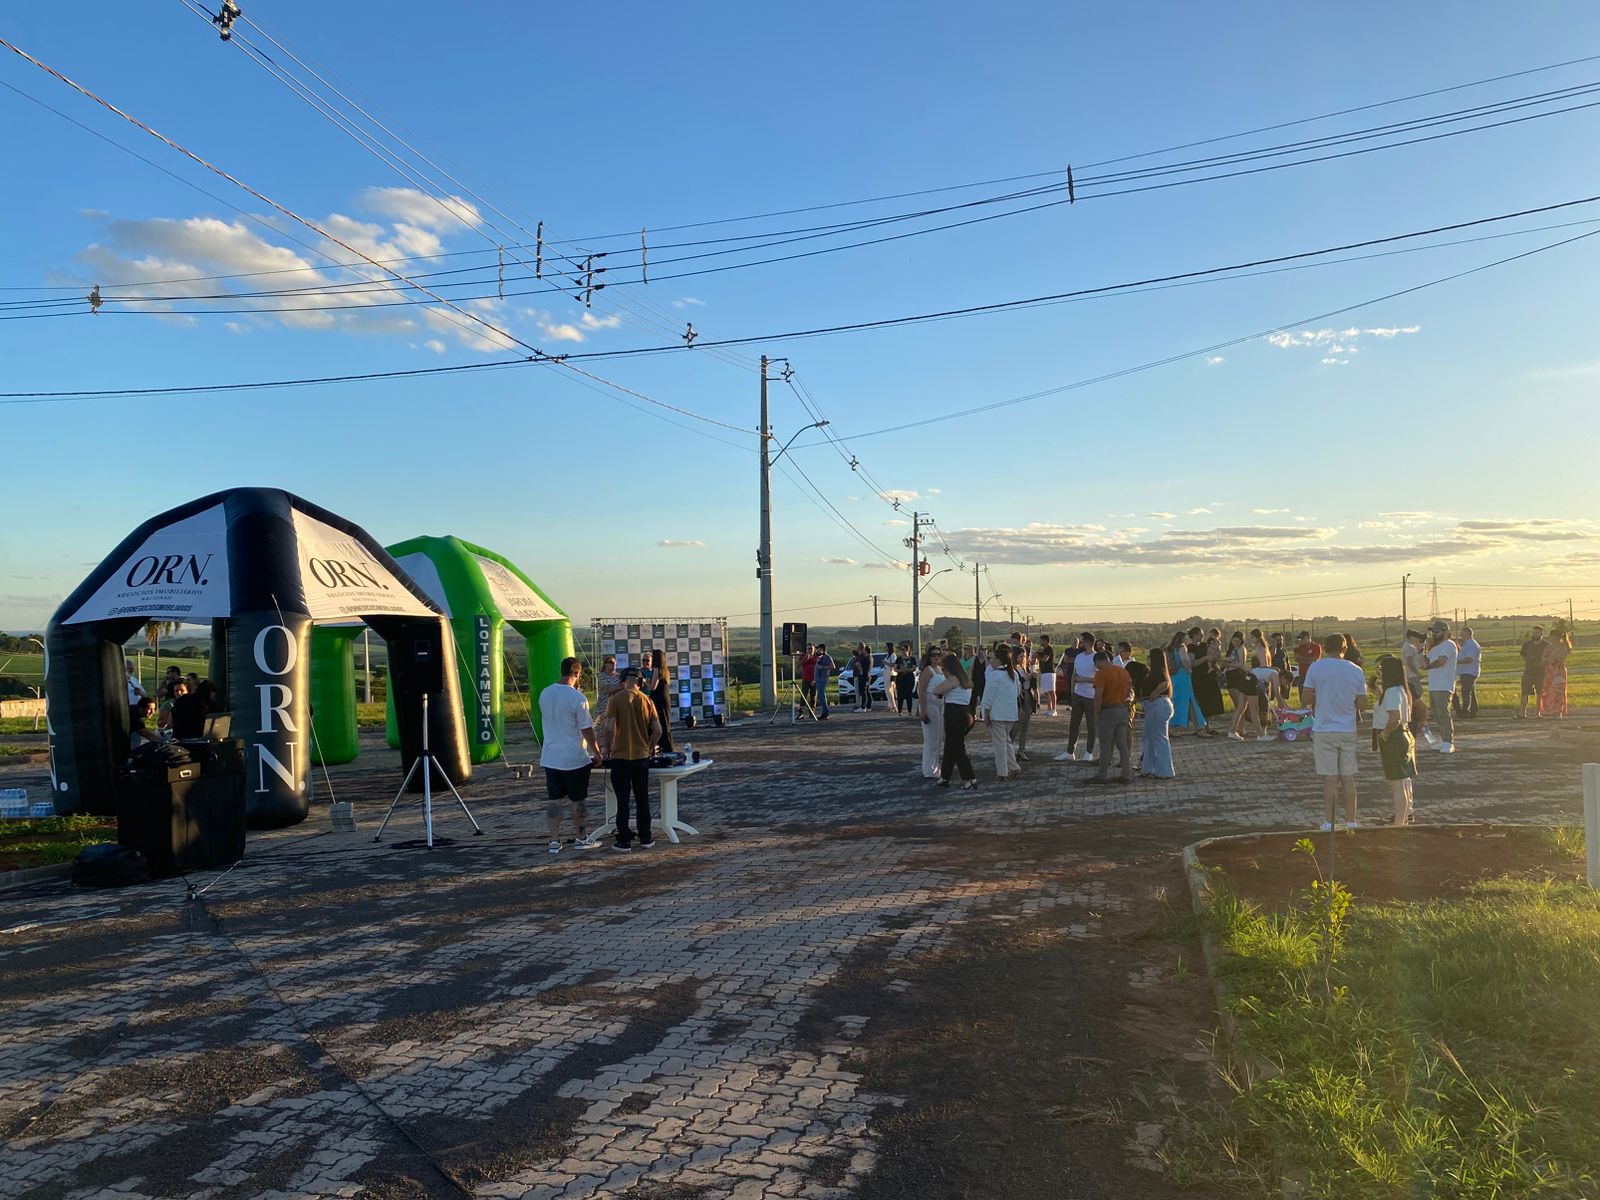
[{"x": 794, "y": 637}]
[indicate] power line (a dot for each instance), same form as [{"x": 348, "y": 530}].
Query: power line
[
  {"x": 1085, "y": 185},
  {"x": 887, "y": 322},
  {"x": 314, "y": 228}
]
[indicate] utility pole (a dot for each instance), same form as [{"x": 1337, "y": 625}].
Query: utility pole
[
  {"x": 918, "y": 524},
  {"x": 1569, "y": 614},
  {"x": 769, "y": 679},
  {"x": 1405, "y": 612},
  {"x": 977, "y": 605},
  {"x": 874, "y": 622}
]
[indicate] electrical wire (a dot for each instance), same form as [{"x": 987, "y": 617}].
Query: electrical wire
[
  {"x": 1085, "y": 185},
  {"x": 830, "y": 434},
  {"x": 314, "y": 228}
]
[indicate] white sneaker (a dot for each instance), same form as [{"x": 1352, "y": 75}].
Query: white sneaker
[
  {"x": 1350, "y": 825},
  {"x": 555, "y": 847},
  {"x": 1447, "y": 748},
  {"x": 585, "y": 843},
  {"x": 1325, "y": 827},
  {"x": 1064, "y": 757},
  {"x": 1235, "y": 737}
]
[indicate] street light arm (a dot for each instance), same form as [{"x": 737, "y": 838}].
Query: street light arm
[{"x": 797, "y": 433}]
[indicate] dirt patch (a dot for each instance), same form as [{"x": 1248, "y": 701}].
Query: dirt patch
[{"x": 1417, "y": 862}]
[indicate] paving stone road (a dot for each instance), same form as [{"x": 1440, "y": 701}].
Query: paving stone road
[{"x": 339, "y": 1018}]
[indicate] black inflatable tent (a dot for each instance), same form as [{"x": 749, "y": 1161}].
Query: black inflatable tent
[{"x": 261, "y": 566}]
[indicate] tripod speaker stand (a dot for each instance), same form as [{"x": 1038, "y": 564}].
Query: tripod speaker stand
[{"x": 429, "y": 765}]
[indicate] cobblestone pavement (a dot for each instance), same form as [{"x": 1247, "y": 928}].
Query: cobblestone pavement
[{"x": 339, "y": 1018}]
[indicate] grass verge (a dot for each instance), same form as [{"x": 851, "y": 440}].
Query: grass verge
[
  {"x": 1442, "y": 1048},
  {"x": 39, "y": 843}
]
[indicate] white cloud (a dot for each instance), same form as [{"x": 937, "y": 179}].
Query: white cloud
[
  {"x": 410, "y": 207},
  {"x": 1334, "y": 341},
  {"x": 435, "y": 345},
  {"x": 842, "y": 562},
  {"x": 1268, "y": 511},
  {"x": 896, "y": 521},
  {"x": 1161, "y": 516},
  {"x": 590, "y": 321},
  {"x": 688, "y": 302},
  {"x": 1214, "y": 360},
  {"x": 679, "y": 544},
  {"x": 935, "y": 491},
  {"x": 1546, "y": 529},
  {"x": 141, "y": 255},
  {"x": 1195, "y": 512},
  {"x": 886, "y": 566},
  {"x": 564, "y": 332},
  {"x": 1335, "y": 362},
  {"x": 899, "y": 494},
  {"x": 235, "y": 327}
]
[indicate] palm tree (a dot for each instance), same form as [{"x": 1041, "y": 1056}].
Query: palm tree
[{"x": 152, "y": 636}]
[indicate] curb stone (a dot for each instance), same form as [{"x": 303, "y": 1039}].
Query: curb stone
[{"x": 17, "y": 879}]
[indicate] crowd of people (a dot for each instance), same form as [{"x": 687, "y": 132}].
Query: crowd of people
[
  {"x": 177, "y": 712},
  {"x": 1249, "y": 686}
]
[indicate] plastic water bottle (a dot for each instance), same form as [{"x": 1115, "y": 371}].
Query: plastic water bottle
[{"x": 13, "y": 793}]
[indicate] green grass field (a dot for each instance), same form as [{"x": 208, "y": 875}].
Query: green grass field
[{"x": 1446, "y": 1052}]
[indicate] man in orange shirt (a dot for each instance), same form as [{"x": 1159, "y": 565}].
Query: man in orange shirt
[{"x": 1113, "y": 709}]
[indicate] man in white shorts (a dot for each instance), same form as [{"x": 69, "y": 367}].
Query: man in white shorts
[{"x": 1335, "y": 691}]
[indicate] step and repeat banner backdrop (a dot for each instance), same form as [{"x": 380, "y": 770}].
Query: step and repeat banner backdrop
[{"x": 696, "y": 652}]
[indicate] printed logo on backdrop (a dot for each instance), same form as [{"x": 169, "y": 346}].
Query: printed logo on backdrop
[
  {"x": 483, "y": 673},
  {"x": 514, "y": 598},
  {"x": 342, "y": 578},
  {"x": 179, "y": 573}
]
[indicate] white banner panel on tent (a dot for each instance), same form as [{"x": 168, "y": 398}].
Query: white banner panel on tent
[
  {"x": 341, "y": 577},
  {"x": 696, "y": 653},
  {"x": 517, "y": 601},
  {"x": 180, "y": 573},
  {"x": 425, "y": 575}
]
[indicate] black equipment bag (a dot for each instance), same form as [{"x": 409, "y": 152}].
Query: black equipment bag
[{"x": 109, "y": 865}]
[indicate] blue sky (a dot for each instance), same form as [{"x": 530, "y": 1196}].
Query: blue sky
[{"x": 1445, "y": 432}]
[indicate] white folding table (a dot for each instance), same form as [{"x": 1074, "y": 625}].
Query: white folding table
[{"x": 669, "y": 777}]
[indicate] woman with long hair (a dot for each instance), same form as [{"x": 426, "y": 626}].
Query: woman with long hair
[
  {"x": 905, "y": 675},
  {"x": 954, "y": 691},
  {"x": 1205, "y": 669},
  {"x": 1155, "y": 758},
  {"x": 1002, "y": 696},
  {"x": 930, "y": 709},
  {"x": 1179, "y": 664},
  {"x": 1391, "y": 729},
  {"x": 1352, "y": 652},
  {"x": 660, "y": 696},
  {"x": 1553, "y": 691},
  {"x": 1241, "y": 685},
  {"x": 1266, "y": 675}
]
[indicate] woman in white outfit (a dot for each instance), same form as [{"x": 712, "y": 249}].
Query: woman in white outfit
[
  {"x": 1002, "y": 691},
  {"x": 930, "y": 708}
]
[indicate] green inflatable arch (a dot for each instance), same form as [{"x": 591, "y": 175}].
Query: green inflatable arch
[{"x": 481, "y": 593}]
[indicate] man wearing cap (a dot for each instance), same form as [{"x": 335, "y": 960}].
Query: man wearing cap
[
  {"x": 634, "y": 730},
  {"x": 1441, "y": 664}
]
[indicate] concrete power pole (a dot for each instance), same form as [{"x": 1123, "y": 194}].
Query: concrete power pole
[
  {"x": 874, "y": 622},
  {"x": 977, "y": 605},
  {"x": 769, "y": 678}
]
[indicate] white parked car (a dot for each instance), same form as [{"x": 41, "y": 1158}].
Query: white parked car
[{"x": 879, "y": 686}]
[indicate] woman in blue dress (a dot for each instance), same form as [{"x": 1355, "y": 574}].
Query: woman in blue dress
[{"x": 1183, "y": 702}]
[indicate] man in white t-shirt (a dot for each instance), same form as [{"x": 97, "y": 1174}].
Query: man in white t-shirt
[
  {"x": 1440, "y": 660},
  {"x": 570, "y": 752},
  {"x": 1469, "y": 665},
  {"x": 1336, "y": 692},
  {"x": 1083, "y": 670}
]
